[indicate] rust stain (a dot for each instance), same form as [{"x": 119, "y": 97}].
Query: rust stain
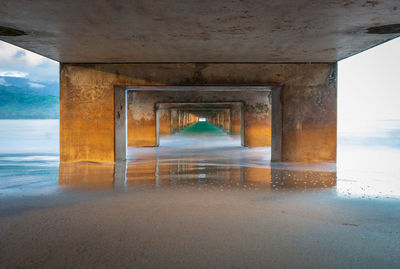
[{"x": 370, "y": 3}]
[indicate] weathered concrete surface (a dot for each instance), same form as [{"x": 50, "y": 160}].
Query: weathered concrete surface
[
  {"x": 308, "y": 102},
  {"x": 165, "y": 122},
  {"x": 257, "y": 123},
  {"x": 102, "y": 31},
  {"x": 142, "y": 130},
  {"x": 227, "y": 120},
  {"x": 236, "y": 120},
  {"x": 174, "y": 121}
]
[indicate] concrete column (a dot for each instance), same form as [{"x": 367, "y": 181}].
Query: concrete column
[
  {"x": 236, "y": 119},
  {"x": 257, "y": 123},
  {"x": 227, "y": 121},
  {"x": 174, "y": 121},
  {"x": 184, "y": 120},
  {"x": 276, "y": 131},
  {"x": 180, "y": 120},
  {"x": 165, "y": 122},
  {"x": 142, "y": 128},
  {"x": 120, "y": 106}
]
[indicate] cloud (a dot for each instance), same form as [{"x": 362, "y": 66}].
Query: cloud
[
  {"x": 32, "y": 59},
  {"x": 13, "y": 73},
  {"x": 35, "y": 85},
  {"x": 15, "y": 61}
]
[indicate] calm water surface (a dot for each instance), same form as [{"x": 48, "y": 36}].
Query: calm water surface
[{"x": 367, "y": 167}]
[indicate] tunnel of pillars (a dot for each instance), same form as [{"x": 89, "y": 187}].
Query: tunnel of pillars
[
  {"x": 220, "y": 118},
  {"x": 199, "y": 119}
]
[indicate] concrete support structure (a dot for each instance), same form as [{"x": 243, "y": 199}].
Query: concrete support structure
[
  {"x": 236, "y": 120},
  {"x": 227, "y": 120},
  {"x": 142, "y": 131},
  {"x": 196, "y": 111},
  {"x": 235, "y": 44},
  {"x": 257, "y": 124},
  {"x": 174, "y": 121},
  {"x": 165, "y": 122},
  {"x": 308, "y": 103}
]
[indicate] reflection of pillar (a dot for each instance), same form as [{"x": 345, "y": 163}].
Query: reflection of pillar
[
  {"x": 86, "y": 173},
  {"x": 256, "y": 175},
  {"x": 120, "y": 175}
]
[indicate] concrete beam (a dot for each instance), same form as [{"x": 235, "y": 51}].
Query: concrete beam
[{"x": 199, "y": 31}]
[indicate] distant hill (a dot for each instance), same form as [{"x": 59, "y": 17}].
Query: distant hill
[{"x": 23, "y": 99}]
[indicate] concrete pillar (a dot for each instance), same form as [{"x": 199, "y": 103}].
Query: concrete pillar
[
  {"x": 165, "y": 122},
  {"x": 174, "y": 121},
  {"x": 120, "y": 118},
  {"x": 227, "y": 121},
  {"x": 257, "y": 123},
  {"x": 180, "y": 120},
  {"x": 142, "y": 127},
  {"x": 236, "y": 120}
]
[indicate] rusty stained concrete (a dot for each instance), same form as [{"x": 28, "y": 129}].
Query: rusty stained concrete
[
  {"x": 142, "y": 113},
  {"x": 174, "y": 121},
  {"x": 164, "y": 121},
  {"x": 236, "y": 120},
  {"x": 308, "y": 102},
  {"x": 227, "y": 120},
  {"x": 198, "y": 31}
]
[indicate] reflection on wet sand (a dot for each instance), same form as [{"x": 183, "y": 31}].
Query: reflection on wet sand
[
  {"x": 164, "y": 173},
  {"x": 184, "y": 161}
]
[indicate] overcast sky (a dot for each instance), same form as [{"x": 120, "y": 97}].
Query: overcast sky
[{"x": 368, "y": 83}]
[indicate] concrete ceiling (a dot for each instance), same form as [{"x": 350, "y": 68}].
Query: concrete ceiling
[{"x": 99, "y": 31}]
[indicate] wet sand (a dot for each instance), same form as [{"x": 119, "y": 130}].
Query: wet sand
[
  {"x": 190, "y": 205},
  {"x": 188, "y": 226}
]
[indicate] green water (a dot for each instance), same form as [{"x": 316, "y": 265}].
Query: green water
[{"x": 202, "y": 128}]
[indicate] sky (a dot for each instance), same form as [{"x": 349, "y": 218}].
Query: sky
[
  {"x": 17, "y": 62},
  {"x": 368, "y": 83}
]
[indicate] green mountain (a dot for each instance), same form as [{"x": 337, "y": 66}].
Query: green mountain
[{"x": 19, "y": 100}]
